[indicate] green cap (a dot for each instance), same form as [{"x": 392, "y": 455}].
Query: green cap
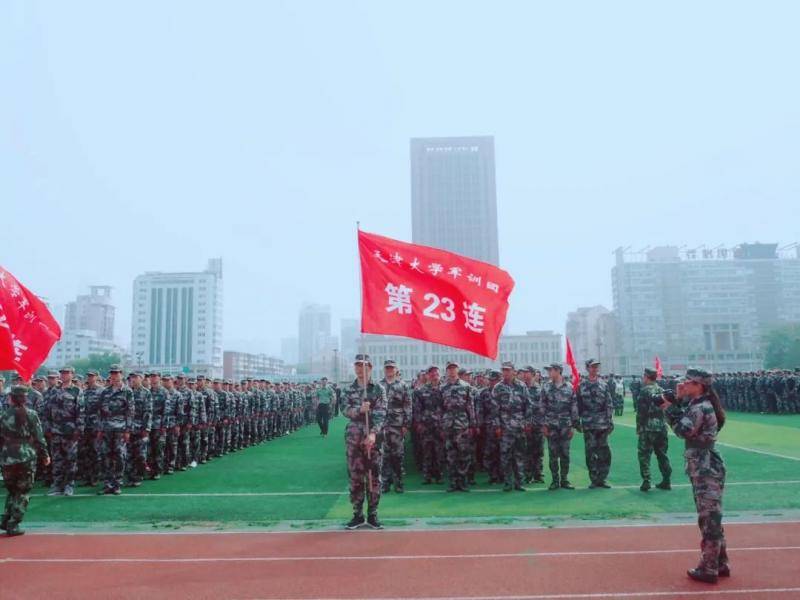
[{"x": 19, "y": 390}]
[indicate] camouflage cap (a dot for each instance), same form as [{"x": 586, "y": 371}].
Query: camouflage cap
[
  {"x": 191, "y": 380},
  {"x": 699, "y": 376},
  {"x": 115, "y": 369},
  {"x": 508, "y": 365},
  {"x": 166, "y": 376},
  {"x": 52, "y": 373},
  {"x": 92, "y": 372},
  {"x": 387, "y": 363},
  {"x": 650, "y": 372},
  {"x": 180, "y": 376},
  {"x": 18, "y": 390},
  {"x": 495, "y": 374},
  {"x": 463, "y": 371},
  {"x": 452, "y": 363},
  {"x": 591, "y": 362},
  {"x": 527, "y": 369},
  {"x": 556, "y": 366},
  {"x": 66, "y": 369},
  {"x": 154, "y": 374},
  {"x": 432, "y": 368},
  {"x": 362, "y": 359}
]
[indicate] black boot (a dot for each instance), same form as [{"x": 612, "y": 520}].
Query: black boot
[
  {"x": 645, "y": 487},
  {"x": 664, "y": 485},
  {"x": 356, "y": 522},
  {"x": 567, "y": 485},
  {"x": 373, "y": 521},
  {"x": 699, "y": 575}
]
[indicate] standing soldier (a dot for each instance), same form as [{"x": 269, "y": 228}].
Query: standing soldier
[
  {"x": 511, "y": 420},
  {"x": 532, "y": 378},
  {"x": 398, "y": 419},
  {"x": 560, "y": 410},
  {"x": 163, "y": 411},
  {"x": 458, "y": 426},
  {"x": 208, "y": 436},
  {"x": 188, "y": 420},
  {"x": 64, "y": 421},
  {"x": 364, "y": 403},
  {"x": 324, "y": 396},
  {"x": 172, "y": 422},
  {"x": 21, "y": 440},
  {"x": 115, "y": 422},
  {"x": 142, "y": 423},
  {"x": 428, "y": 399},
  {"x": 652, "y": 431},
  {"x": 595, "y": 407},
  {"x": 636, "y": 387},
  {"x": 90, "y": 463},
  {"x": 491, "y": 453}
]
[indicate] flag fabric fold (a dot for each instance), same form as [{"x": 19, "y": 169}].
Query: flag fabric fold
[
  {"x": 659, "y": 369},
  {"x": 27, "y": 328},
  {"x": 576, "y": 374},
  {"x": 430, "y": 294}
]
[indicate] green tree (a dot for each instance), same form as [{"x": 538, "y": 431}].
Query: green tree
[
  {"x": 783, "y": 347},
  {"x": 98, "y": 362}
]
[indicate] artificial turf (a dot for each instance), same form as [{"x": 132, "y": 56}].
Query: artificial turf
[{"x": 304, "y": 463}]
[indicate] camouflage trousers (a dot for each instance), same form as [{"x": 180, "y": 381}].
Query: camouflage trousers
[
  {"x": 113, "y": 453},
  {"x": 171, "y": 450},
  {"x": 535, "y": 455},
  {"x": 88, "y": 460},
  {"x": 649, "y": 442},
  {"x": 458, "y": 449},
  {"x": 185, "y": 447},
  {"x": 491, "y": 457},
  {"x": 138, "y": 448},
  {"x": 365, "y": 472},
  {"x": 706, "y": 473},
  {"x": 619, "y": 405},
  {"x": 558, "y": 442},
  {"x": 196, "y": 437},
  {"x": 392, "y": 470},
  {"x": 512, "y": 456},
  {"x": 598, "y": 454},
  {"x": 158, "y": 451},
  {"x": 19, "y": 483},
  {"x": 208, "y": 442},
  {"x": 432, "y": 453},
  {"x": 65, "y": 460}
]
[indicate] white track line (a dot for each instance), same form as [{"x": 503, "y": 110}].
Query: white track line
[
  {"x": 657, "y": 594},
  {"x": 726, "y": 445},
  {"x": 490, "y": 556},
  {"x": 344, "y": 493}
]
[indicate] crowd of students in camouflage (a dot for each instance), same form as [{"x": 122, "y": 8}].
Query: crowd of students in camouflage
[{"x": 121, "y": 432}]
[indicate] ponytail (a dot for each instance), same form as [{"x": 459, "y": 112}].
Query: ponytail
[
  {"x": 20, "y": 412},
  {"x": 713, "y": 397}
]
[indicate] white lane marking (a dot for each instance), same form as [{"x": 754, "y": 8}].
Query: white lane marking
[
  {"x": 344, "y": 493},
  {"x": 226, "y": 559},
  {"x": 726, "y": 445},
  {"x": 655, "y": 594}
]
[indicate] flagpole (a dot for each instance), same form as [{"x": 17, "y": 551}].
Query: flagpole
[{"x": 361, "y": 351}]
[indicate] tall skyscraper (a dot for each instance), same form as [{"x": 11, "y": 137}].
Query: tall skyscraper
[
  {"x": 92, "y": 312},
  {"x": 313, "y": 332},
  {"x": 453, "y": 195},
  {"x": 708, "y": 307},
  {"x": 177, "y": 321},
  {"x": 350, "y": 333}
]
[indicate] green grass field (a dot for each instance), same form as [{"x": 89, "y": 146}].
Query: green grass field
[{"x": 281, "y": 481}]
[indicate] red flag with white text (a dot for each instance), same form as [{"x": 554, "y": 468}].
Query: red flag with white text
[
  {"x": 576, "y": 374},
  {"x": 430, "y": 294},
  {"x": 27, "y": 329},
  {"x": 659, "y": 369}
]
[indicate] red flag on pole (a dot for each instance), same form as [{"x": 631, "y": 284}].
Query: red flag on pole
[
  {"x": 27, "y": 329},
  {"x": 430, "y": 294},
  {"x": 576, "y": 375},
  {"x": 659, "y": 369}
]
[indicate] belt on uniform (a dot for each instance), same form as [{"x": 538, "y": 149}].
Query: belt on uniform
[{"x": 699, "y": 445}]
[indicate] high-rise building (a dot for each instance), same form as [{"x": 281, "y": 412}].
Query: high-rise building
[
  {"x": 591, "y": 331},
  {"x": 453, "y": 195},
  {"x": 536, "y": 348},
  {"x": 289, "y": 350},
  {"x": 708, "y": 307},
  {"x": 177, "y": 321},
  {"x": 349, "y": 336},
  {"x": 93, "y": 312},
  {"x": 313, "y": 333},
  {"x": 78, "y": 344},
  {"x": 241, "y": 365}
]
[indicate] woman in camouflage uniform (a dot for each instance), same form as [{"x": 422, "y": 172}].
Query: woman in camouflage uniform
[
  {"x": 21, "y": 439},
  {"x": 697, "y": 421}
]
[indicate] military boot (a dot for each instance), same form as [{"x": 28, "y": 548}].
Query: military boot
[
  {"x": 664, "y": 485},
  {"x": 700, "y": 575},
  {"x": 645, "y": 487}
]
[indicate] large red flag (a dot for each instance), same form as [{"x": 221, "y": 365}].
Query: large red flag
[
  {"x": 659, "y": 369},
  {"x": 430, "y": 294},
  {"x": 27, "y": 329},
  {"x": 576, "y": 374}
]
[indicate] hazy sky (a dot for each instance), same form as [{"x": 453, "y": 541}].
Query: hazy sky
[{"x": 154, "y": 135}]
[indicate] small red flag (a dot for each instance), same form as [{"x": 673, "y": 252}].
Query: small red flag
[
  {"x": 430, "y": 294},
  {"x": 27, "y": 329},
  {"x": 659, "y": 369},
  {"x": 576, "y": 375}
]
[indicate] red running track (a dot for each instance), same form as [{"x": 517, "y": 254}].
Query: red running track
[{"x": 499, "y": 564}]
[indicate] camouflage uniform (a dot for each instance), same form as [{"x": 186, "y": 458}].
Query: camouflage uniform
[
  {"x": 535, "y": 454},
  {"x": 595, "y": 406},
  {"x": 163, "y": 421},
  {"x": 88, "y": 458},
  {"x": 458, "y": 424},
  {"x": 174, "y": 429},
  {"x": 63, "y": 424},
  {"x": 359, "y": 462},
  {"x": 21, "y": 440},
  {"x": 560, "y": 411},
  {"x": 652, "y": 431},
  {"x": 208, "y": 436},
  {"x": 140, "y": 433},
  {"x": 697, "y": 425},
  {"x": 429, "y": 401},
  {"x": 115, "y": 410},
  {"x": 491, "y": 449},
  {"x": 511, "y": 413},
  {"x": 398, "y": 420},
  {"x": 188, "y": 418}
]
